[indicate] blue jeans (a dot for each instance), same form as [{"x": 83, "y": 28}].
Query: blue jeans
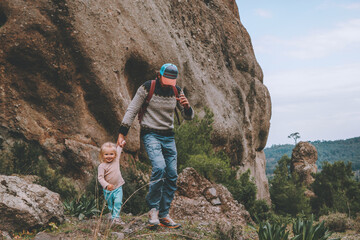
[
  {"x": 163, "y": 156},
  {"x": 114, "y": 201}
]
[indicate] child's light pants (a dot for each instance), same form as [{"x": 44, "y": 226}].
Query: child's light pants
[{"x": 114, "y": 201}]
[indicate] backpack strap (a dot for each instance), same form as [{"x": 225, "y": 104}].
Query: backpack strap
[
  {"x": 177, "y": 96},
  {"x": 147, "y": 100}
]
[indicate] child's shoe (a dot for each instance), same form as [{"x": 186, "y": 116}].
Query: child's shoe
[
  {"x": 153, "y": 218},
  {"x": 168, "y": 222}
]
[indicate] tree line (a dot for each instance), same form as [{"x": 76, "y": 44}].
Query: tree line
[{"x": 347, "y": 150}]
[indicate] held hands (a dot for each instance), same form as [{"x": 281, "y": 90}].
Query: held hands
[
  {"x": 183, "y": 101},
  {"x": 110, "y": 187},
  {"x": 121, "y": 141}
]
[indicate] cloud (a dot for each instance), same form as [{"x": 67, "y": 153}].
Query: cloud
[
  {"x": 263, "y": 13},
  {"x": 320, "y": 103},
  {"x": 318, "y": 44},
  {"x": 351, "y": 6},
  {"x": 335, "y": 5},
  {"x": 315, "y": 84}
]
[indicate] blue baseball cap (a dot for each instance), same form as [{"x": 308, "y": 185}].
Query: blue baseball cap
[{"x": 169, "y": 73}]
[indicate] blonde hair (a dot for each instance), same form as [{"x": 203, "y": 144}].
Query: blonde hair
[{"x": 107, "y": 145}]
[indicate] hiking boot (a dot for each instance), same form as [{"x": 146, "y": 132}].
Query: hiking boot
[
  {"x": 153, "y": 217},
  {"x": 169, "y": 223}
]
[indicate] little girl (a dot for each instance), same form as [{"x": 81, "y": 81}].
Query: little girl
[{"x": 110, "y": 178}]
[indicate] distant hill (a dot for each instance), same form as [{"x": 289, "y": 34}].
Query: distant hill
[{"x": 340, "y": 150}]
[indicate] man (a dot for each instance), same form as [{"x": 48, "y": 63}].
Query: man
[{"x": 157, "y": 124}]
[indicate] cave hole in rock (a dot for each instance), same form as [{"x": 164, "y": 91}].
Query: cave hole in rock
[
  {"x": 3, "y": 17},
  {"x": 137, "y": 71}
]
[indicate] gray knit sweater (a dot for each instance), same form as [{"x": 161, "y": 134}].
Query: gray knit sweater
[{"x": 159, "y": 115}]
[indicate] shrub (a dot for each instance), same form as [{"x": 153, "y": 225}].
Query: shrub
[
  {"x": 211, "y": 167},
  {"x": 337, "y": 222},
  {"x": 28, "y": 159},
  {"x": 5, "y": 163},
  {"x": 260, "y": 211},
  {"x": 243, "y": 190},
  {"x": 356, "y": 225},
  {"x": 54, "y": 181},
  {"x": 279, "y": 219},
  {"x": 193, "y": 138}
]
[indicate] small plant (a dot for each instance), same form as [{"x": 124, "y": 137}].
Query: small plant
[
  {"x": 84, "y": 206},
  {"x": 337, "y": 222},
  {"x": 305, "y": 230},
  {"x": 266, "y": 231}
]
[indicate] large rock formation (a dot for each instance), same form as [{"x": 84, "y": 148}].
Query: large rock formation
[
  {"x": 24, "y": 205},
  {"x": 198, "y": 199},
  {"x": 303, "y": 161},
  {"x": 69, "y": 69}
]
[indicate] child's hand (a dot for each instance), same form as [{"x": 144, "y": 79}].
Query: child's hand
[
  {"x": 121, "y": 141},
  {"x": 110, "y": 187}
]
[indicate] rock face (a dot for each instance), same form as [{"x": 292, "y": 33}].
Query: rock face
[
  {"x": 303, "y": 161},
  {"x": 70, "y": 68},
  {"x": 199, "y": 199},
  {"x": 24, "y": 205}
]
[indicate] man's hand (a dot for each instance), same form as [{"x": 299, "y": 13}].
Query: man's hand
[
  {"x": 110, "y": 187},
  {"x": 121, "y": 141},
  {"x": 183, "y": 101}
]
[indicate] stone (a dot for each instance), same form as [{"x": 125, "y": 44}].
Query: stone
[
  {"x": 46, "y": 236},
  {"x": 24, "y": 205},
  {"x": 190, "y": 201},
  {"x": 117, "y": 235},
  {"x": 4, "y": 235},
  {"x": 210, "y": 193},
  {"x": 303, "y": 161},
  {"x": 215, "y": 201},
  {"x": 60, "y": 85}
]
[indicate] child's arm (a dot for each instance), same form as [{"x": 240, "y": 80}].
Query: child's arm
[
  {"x": 101, "y": 178},
  {"x": 118, "y": 153}
]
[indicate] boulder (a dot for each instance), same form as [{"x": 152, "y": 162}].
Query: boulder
[
  {"x": 303, "y": 161},
  {"x": 25, "y": 205},
  {"x": 199, "y": 199},
  {"x": 69, "y": 70},
  {"x": 4, "y": 235}
]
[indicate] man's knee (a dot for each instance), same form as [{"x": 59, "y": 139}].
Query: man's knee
[
  {"x": 158, "y": 171},
  {"x": 172, "y": 175}
]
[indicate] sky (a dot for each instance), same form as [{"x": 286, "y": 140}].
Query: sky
[{"x": 309, "y": 52}]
